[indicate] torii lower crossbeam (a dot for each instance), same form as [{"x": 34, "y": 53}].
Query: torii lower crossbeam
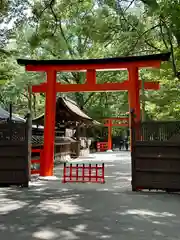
[{"x": 90, "y": 87}]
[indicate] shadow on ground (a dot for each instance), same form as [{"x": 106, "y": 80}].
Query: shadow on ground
[{"x": 56, "y": 211}]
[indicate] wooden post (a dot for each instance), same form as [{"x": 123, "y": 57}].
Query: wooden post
[
  {"x": 134, "y": 99},
  {"x": 143, "y": 100},
  {"x": 109, "y": 134},
  {"x": 29, "y": 125},
  {"x": 78, "y": 145},
  {"x": 10, "y": 111},
  {"x": 29, "y": 122},
  {"x": 91, "y": 77},
  {"x": 49, "y": 126}
]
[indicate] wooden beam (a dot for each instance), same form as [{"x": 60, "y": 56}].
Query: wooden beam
[
  {"x": 117, "y": 125},
  {"x": 104, "y": 66},
  {"x": 117, "y": 118},
  {"x": 88, "y": 87}
]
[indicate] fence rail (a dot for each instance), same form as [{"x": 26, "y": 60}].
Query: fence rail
[
  {"x": 37, "y": 161},
  {"x": 14, "y": 168},
  {"x": 102, "y": 146},
  {"x": 93, "y": 173}
]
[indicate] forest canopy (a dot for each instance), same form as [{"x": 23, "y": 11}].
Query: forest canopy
[{"x": 61, "y": 29}]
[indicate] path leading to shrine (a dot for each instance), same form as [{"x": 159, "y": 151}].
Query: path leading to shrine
[{"x": 55, "y": 211}]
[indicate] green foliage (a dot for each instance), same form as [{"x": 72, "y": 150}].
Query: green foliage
[{"x": 74, "y": 29}]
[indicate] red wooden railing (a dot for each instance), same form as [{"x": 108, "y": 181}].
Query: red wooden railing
[
  {"x": 82, "y": 173},
  {"x": 38, "y": 160},
  {"x": 102, "y": 146}
]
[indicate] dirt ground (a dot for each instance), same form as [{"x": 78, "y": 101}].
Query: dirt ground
[{"x": 55, "y": 211}]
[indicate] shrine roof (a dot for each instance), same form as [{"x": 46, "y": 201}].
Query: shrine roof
[
  {"x": 160, "y": 57},
  {"x": 73, "y": 107},
  {"x": 4, "y": 115},
  {"x": 67, "y": 110}
]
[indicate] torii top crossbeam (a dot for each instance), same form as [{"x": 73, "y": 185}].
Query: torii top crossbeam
[
  {"x": 132, "y": 64},
  {"x": 98, "y": 64}
]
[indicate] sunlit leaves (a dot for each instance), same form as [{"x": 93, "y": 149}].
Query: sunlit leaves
[{"x": 74, "y": 29}]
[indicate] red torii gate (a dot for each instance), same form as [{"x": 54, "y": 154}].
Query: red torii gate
[
  {"x": 51, "y": 87},
  {"x": 114, "y": 122}
]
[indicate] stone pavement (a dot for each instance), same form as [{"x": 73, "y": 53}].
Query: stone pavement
[{"x": 55, "y": 211}]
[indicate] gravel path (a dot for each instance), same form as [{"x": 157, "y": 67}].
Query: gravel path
[{"x": 55, "y": 211}]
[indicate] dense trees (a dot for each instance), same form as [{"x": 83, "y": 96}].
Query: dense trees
[{"x": 60, "y": 29}]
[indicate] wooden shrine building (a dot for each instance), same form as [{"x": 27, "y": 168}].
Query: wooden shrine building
[{"x": 70, "y": 126}]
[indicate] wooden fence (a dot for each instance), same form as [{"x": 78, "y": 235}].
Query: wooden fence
[
  {"x": 14, "y": 168},
  {"x": 156, "y": 155}
]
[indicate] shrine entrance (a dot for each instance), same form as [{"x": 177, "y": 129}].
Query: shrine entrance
[
  {"x": 110, "y": 123},
  {"x": 90, "y": 66},
  {"x": 115, "y": 122}
]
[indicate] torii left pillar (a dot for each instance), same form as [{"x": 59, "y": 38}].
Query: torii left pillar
[{"x": 47, "y": 163}]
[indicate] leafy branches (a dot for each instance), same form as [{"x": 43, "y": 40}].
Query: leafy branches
[{"x": 73, "y": 29}]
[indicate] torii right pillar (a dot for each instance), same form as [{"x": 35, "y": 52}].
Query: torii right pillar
[
  {"x": 134, "y": 98},
  {"x": 133, "y": 92}
]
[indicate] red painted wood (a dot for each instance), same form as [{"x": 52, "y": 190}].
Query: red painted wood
[
  {"x": 119, "y": 121},
  {"x": 117, "y": 118},
  {"x": 90, "y": 168},
  {"x": 36, "y": 150},
  {"x": 77, "y": 172},
  {"x": 49, "y": 127},
  {"x": 150, "y": 85},
  {"x": 35, "y": 161},
  {"x": 123, "y": 86},
  {"x": 103, "y": 177},
  {"x": 110, "y": 135},
  {"x": 134, "y": 98},
  {"x": 83, "y": 169},
  {"x": 133, "y": 94},
  {"x": 94, "y": 173},
  {"x": 81, "y": 67},
  {"x": 40, "y": 88},
  {"x": 70, "y": 175},
  {"x": 117, "y": 125},
  {"x": 64, "y": 173},
  {"x": 35, "y": 171},
  {"x": 102, "y": 146},
  {"x": 91, "y": 76}
]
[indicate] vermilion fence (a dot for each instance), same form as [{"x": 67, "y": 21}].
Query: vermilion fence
[
  {"x": 36, "y": 161},
  {"x": 102, "y": 146},
  {"x": 81, "y": 172}
]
